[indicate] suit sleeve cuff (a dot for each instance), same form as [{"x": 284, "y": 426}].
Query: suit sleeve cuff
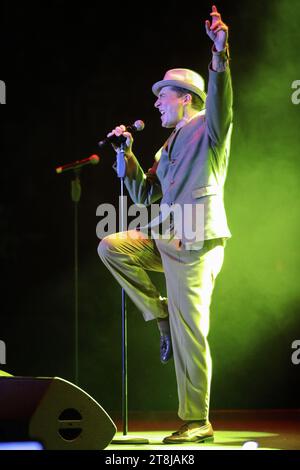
[{"x": 224, "y": 54}]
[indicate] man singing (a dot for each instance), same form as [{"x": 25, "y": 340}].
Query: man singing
[{"x": 189, "y": 171}]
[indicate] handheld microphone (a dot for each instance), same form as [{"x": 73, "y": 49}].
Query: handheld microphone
[
  {"x": 93, "y": 160},
  {"x": 117, "y": 140}
]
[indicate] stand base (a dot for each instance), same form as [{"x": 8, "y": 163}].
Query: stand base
[{"x": 130, "y": 440}]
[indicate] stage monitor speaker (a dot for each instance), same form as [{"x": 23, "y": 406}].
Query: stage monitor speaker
[{"x": 54, "y": 412}]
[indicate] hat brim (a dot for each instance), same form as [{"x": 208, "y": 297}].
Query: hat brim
[{"x": 162, "y": 83}]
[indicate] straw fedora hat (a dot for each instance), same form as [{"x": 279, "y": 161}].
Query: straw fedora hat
[{"x": 183, "y": 78}]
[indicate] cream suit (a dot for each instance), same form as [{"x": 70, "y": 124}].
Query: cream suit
[{"x": 189, "y": 169}]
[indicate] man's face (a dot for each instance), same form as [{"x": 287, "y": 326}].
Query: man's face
[{"x": 170, "y": 106}]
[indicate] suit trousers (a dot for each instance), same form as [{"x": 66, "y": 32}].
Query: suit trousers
[{"x": 190, "y": 276}]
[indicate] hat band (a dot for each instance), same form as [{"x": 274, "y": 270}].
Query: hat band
[{"x": 178, "y": 83}]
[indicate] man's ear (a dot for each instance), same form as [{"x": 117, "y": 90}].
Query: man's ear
[{"x": 187, "y": 99}]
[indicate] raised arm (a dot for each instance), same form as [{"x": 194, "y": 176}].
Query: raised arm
[{"x": 219, "y": 95}]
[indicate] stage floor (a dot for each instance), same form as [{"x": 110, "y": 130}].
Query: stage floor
[{"x": 270, "y": 429}]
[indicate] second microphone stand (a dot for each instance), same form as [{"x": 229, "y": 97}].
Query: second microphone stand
[{"x": 76, "y": 195}]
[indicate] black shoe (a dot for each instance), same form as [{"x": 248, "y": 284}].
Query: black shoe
[
  {"x": 165, "y": 348},
  {"x": 191, "y": 432}
]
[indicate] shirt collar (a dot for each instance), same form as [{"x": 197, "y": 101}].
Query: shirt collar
[{"x": 185, "y": 121}]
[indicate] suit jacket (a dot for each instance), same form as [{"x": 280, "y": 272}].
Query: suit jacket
[{"x": 190, "y": 170}]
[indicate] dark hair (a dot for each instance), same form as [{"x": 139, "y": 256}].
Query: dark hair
[{"x": 197, "y": 102}]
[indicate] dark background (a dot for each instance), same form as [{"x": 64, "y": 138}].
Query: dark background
[{"x": 74, "y": 72}]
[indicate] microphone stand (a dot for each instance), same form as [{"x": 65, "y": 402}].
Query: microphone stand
[
  {"x": 76, "y": 195},
  {"x": 125, "y": 439}
]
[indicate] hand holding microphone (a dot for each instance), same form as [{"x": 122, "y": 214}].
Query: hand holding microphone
[
  {"x": 123, "y": 135},
  {"x": 120, "y": 135},
  {"x": 121, "y": 139}
]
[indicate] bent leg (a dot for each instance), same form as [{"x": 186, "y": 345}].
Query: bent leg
[{"x": 128, "y": 255}]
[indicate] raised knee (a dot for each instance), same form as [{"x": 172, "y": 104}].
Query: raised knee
[{"x": 105, "y": 247}]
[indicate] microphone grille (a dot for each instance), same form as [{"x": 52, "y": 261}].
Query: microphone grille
[
  {"x": 94, "y": 159},
  {"x": 139, "y": 125}
]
